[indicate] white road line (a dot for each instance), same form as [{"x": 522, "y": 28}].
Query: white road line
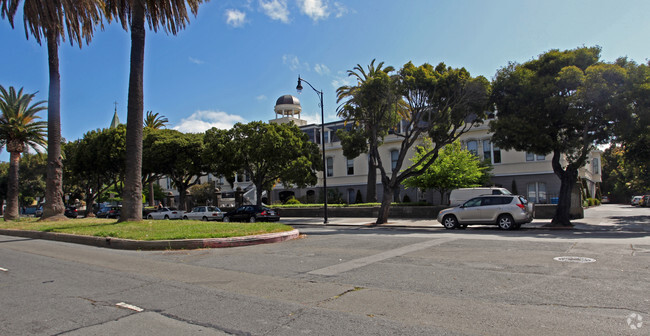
[
  {"x": 356, "y": 263},
  {"x": 128, "y": 306},
  {"x": 4, "y": 269}
]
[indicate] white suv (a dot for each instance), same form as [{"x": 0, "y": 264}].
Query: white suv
[{"x": 507, "y": 211}]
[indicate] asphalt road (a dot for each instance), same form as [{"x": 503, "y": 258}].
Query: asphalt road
[{"x": 342, "y": 281}]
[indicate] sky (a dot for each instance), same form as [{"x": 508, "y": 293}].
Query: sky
[{"x": 236, "y": 57}]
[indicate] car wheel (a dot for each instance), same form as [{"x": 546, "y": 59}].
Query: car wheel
[
  {"x": 505, "y": 222},
  {"x": 450, "y": 222},
  {"x": 252, "y": 219},
  {"x": 205, "y": 219},
  {"x": 185, "y": 218},
  {"x": 226, "y": 219},
  {"x": 166, "y": 217},
  {"x": 150, "y": 217}
]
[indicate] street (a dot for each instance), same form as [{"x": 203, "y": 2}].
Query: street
[{"x": 344, "y": 280}]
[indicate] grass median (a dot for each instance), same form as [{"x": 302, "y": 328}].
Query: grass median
[{"x": 147, "y": 229}]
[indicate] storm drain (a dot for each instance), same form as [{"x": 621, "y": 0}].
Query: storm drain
[{"x": 582, "y": 260}]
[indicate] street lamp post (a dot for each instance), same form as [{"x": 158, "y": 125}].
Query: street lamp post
[{"x": 322, "y": 140}]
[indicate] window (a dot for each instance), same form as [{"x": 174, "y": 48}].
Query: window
[
  {"x": 330, "y": 166},
  {"x": 491, "y": 152},
  {"x": 537, "y": 192},
  {"x": 394, "y": 155},
  {"x": 472, "y": 146},
  {"x": 326, "y": 136},
  {"x": 534, "y": 157},
  {"x": 350, "y": 165},
  {"x": 595, "y": 166}
]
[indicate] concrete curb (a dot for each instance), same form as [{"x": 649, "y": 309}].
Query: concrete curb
[{"x": 177, "y": 244}]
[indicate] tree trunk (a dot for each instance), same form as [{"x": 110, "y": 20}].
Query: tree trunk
[
  {"x": 371, "y": 191},
  {"x": 132, "y": 195},
  {"x": 11, "y": 212},
  {"x": 562, "y": 215},
  {"x": 90, "y": 200},
  {"x": 54, "y": 207},
  {"x": 386, "y": 200},
  {"x": 182, "y": 191},
  {"x": 258, "y": 193},
  {"x": 152, "y": 201},
  {"x": 568, "y": 178}
]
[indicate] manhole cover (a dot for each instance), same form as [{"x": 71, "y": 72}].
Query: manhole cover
[{"x": 575, "y": 259}]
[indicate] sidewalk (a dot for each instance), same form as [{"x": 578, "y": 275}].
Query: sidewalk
[{"x": 583, "y": 224}]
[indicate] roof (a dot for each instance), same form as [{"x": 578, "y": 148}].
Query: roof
[{"x": 287, "y": 99}]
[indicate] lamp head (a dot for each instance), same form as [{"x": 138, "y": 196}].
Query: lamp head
[{"x": 299, "y": 86}]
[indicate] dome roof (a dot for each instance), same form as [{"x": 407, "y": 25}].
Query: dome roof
[{"x": 287, "y": 99}]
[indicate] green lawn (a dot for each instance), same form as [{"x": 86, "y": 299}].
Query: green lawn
[{"x": 147, "y": 229}]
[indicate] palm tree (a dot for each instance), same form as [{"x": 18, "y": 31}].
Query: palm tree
[
  {"x": 171, "y": 16},
  {"x": 347, "y": 94},
  {"x": 19, "y": 129},
  {"x": 154, "y": 121},
  {"x": 53, "y": 20}
]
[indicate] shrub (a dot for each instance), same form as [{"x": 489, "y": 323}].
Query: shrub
[{"x": 292, "y": 200}]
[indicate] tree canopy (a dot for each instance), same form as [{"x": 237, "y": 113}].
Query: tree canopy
[
  {"x": 563, "y": 102},
  {"x": 453, "y": 168},
  {"x": 268, "y": 153}
]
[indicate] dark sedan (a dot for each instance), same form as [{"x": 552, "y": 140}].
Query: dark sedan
[
  {"x": 251, "y": 213},
  {"x": 70, "y": 212},
  {"x": 109, "y": 212}
]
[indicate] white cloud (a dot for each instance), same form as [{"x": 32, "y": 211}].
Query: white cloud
[
  {"x": 196, "y": 60},
  {"x": 342, "y": 79},
  {"x": 235, "y": 18},
  {"x": 276, "y": 9},
  {"x": 340, "y": 9},
  {"x": 315, "y": 9},
  {"x": 321, "y": 69},
  {"x": 261, "y": 97},
  {"x": 200, "y": 121},
  {"x": 293, "y": 62}
]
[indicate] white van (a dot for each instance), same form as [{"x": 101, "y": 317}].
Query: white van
[{"x": 462, "y": 195}]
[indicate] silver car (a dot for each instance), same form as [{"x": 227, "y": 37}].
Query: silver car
[
  {"x": 204, "y": 213},
  {"x": 166, "y": 213},
  {"x": 507, "y": 211}
]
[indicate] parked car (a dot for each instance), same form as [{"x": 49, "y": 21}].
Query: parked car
[
  {"x": 635, "y": 200},
  {"x": 251, "y": 213},
  {"x": 507, "y": 211},
  {"x": 109, "y": 212},
  {"x": 204, "y": 213},
  {"x": 645, "y": 201},
  {"x": 460, "y": 196},
  {"x": 39, "y": 212},
  {"x": 70, "y": 212},
  {"x": 604, "y": 199},
  {"x": 166, "y": 213}
]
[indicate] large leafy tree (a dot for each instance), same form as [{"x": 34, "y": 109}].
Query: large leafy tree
[
  {"x": 268, "y": 153},
  {"x": 454, "y": 168},
  {"x": 54, "y": 21},
  {"x": 178, "y": 156},
  {"x": 95, "y": 162},
  {"x": 564, "y": 103},
  {"x": 32, "y": 177},
  {"x": 635, "y": 132},
  {"x": 361, "y": 136},
  {"x": 20, "y": 128},
  {"x": 171, "y": 16},
  {"x": 441, "y": 103}
]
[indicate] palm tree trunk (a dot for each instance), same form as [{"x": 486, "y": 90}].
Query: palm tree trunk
[
  {"x": 152, "y": 201},
  {"x": 132, "y": 195},
  {"x": 11, "y": 212},
  {"x": 54, "y": 207}
]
